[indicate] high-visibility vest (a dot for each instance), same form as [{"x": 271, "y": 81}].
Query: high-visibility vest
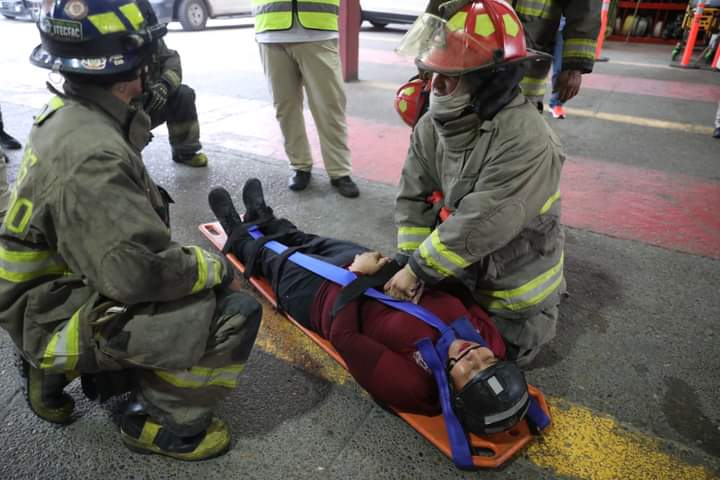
[{"x": 313, "y": 15}]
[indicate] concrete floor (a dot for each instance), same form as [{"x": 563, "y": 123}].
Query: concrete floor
[{"x": 633, "y": 375}]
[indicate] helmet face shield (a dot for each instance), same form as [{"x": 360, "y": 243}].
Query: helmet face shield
[
  {"x": 483, "y": 34},
  {"x": 443, "y": 46}
]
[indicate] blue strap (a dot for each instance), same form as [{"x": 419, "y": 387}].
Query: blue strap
[
  {"x": 461, "y": 455},
  {"x": 344, "y": 277}
]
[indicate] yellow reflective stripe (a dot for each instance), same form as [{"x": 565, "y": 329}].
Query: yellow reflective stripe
[
  {"x": 533, "y": 86},
  {"x": 133, "y": 14},
  {"x": 415, "y": 231},
  {"x": 11, "y": 222},
  {"x": 443, "y": 250},
  {"x": 217, "y": 272},
  {"x": 107, "y": 23},
  {"x": 55, "y": 103},
  {"x": 63, "y": 350},
  {"x": 273, "y": 21},
  {"x": 520, "y": 298},
  {"x": 579, "y": 47},
  {"x": 550, "y": 201},
  {"x": 21, "y": 266},
  {"x": 172, "y": 78},
  {"x": 409, "y": 246},
  {"x": 202, "y": 270},
  {"x": 432, "y": 263},
  {"x": 534, "y": 12},
  {"x": 410, "y": 238},
  {"x": 457, "y": 21},
  {"x": 149, "y": 432},
  {"x": 511, "y": 26},
  {"x": 199, "y": 377},
  {"x": 484, "y": 25},
  {"x": 319, "y": 20},
  {"x": 538, "y": 8}
]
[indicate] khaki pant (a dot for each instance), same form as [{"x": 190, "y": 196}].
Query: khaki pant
[{"x": 316, "y": 66}]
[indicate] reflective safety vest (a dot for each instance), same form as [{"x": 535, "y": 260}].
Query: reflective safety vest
[{"x": 313, "y": 15}]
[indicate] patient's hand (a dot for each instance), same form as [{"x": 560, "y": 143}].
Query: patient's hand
[{"x": 368, "y": 263}]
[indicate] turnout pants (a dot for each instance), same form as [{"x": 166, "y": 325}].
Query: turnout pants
[
  {"x": 180, "y": 357},
  {"x": 296, "y": 286},
  {"x": 181, "y": 116},
  {"x": 316, "y": 66}
]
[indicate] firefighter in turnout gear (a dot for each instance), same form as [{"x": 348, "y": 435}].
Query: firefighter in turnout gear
[
  {"x": 170, "y": 101},
  {"x": 541, "y": 19},
  {"x": 91, "y": 283},
  {"x": 491, "y": 158}
]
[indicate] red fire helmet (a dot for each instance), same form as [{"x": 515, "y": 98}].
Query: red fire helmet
[{"x": 481, "y": 35}]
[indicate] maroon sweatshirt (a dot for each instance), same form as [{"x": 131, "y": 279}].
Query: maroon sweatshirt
[{"x": 378, "y": 344}]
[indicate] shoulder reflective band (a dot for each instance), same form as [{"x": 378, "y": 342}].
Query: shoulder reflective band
[{"x": 344, "y": 277}]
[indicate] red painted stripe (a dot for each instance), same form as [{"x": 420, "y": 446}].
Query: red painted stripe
[
  {"x": 669, "y": 210},
  {"x": 699, "y": 92}
]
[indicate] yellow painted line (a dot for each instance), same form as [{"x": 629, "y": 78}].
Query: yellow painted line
[
  {"x": 580, "y": 444},
  {"x": 584, "y": 444},
  {"x": 283, "y": 340},
  {"x": 639, "y": 64},
  {"x": 641, "y": 121}
]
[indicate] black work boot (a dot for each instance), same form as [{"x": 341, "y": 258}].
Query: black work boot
[
  {"x": 141, "y": 434},
  {"x": 345, "y": 186},
  {"x": 44, "y": 392},
  {"x": 7, "y": 141},
  {"x": 299, "y": 180},
  {"x": 222, "y": 206},
  {"x": 717, "y": 133},
  {"x": 254, "y": 200}
]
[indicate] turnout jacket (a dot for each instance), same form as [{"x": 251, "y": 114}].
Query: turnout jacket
[
  {"x": 500, "y": 180},
  {"x": 86, "y": 225}
]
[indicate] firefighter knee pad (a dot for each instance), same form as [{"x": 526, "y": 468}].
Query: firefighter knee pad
[{"x": 44, "y": 392}]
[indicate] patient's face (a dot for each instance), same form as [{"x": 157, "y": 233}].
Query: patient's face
[{"x": 467, "y": 359}]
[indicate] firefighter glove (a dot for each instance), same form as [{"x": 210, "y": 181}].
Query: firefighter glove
[{"x": 157, "y": 98}]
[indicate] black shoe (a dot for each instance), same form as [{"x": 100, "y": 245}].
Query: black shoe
[
  {"x": 7, "y": 141},
  {"x": 255, "y": 206},
  {"x": 717, "y": 133},
  {"x": 345, "y": 186},
  {"x": 222, "y": 206},
  {"x": 299, "y": 180}
]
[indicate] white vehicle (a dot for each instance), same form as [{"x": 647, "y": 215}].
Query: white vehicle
[
  {"x": 194, "y": 14},
  {"x": 381, "y": 12}
]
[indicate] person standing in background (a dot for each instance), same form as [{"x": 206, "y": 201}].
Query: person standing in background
[
  {"x": 557, "y": 106},
  {"x": 298, "y": 42}
]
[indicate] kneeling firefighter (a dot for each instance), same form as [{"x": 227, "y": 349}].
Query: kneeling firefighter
[
  {"x": 92, "y": 284},
  {"x": 494, "y": 164}
]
